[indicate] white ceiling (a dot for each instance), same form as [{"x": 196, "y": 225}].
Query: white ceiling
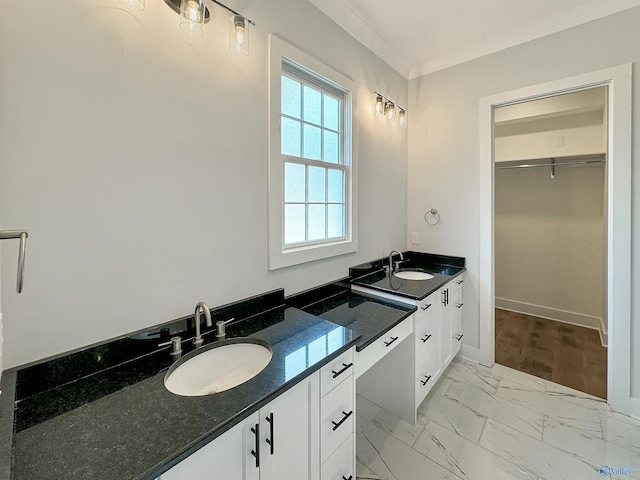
[{"x": 417, "y": 37}]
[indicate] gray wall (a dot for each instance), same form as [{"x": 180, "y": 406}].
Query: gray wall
[
  {"x": 444, "y": 138},
  {"x": 548, "y": 241},
  {"x": 137, "y": 158}
]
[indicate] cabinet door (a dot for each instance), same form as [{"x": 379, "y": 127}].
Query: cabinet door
[
  {"x": 446, "y": 329},
  {"x": 225, "y": 457},
  {"x": 457, "y": 304},
  {"x": 289, "y": 429}
]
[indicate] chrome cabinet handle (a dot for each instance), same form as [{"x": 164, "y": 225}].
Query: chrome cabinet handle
[
  {"x": 459, "y": 337},
  {"x": 424, "y": 340},
  {"x": 22, "y": 235},
  {"x": 426, "y": 306},
  {"x": 459, "y": 282},
  {"x": 459, "y": 305},
  {"x": 426, "y": 380}
]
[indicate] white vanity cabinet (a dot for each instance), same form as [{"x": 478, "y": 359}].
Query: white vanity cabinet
[
  {"x": 279, "y": 442},
  {"x": 400, "y": 379},
  {"x": 337, "y": 419},
  {"x": 457, "y": 305},
  {"x": 427, "y": 345},
  {"x": 228, "y": 456}
]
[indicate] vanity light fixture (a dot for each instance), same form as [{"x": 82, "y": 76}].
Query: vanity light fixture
[
  {"x": 402, "y": 118},
  {"x": 133, "y": 4},
  {"x": 379, "y": 106},
  {"x": 393, "y": 112},
  {"x": 390, "y": 111},
  {"x": 194, "y": 14}
]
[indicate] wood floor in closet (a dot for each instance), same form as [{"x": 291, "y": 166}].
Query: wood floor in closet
[{"x": 566, "y": 354}]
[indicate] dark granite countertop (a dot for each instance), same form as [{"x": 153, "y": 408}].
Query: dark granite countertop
[
  {"x": 369, "y": 316},
  {"x": 443, "y": 268},
  {"x": 97, "y": 426},
  {"x": 88, "y": 414}
]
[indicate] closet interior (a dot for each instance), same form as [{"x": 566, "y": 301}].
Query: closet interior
[{"x": 550, "y": 238}]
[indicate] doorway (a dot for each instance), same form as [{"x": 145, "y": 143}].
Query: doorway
[
  {"x": 618, "y": 221},
  {"x": 550, "y": 247}
]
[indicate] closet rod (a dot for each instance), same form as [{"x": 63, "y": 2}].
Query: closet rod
[{"x": 585, "y": 162}]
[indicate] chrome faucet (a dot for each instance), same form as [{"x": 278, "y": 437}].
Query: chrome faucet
[
  {"x": 393, "y": 268},
  {"x": 197, "y": 341}
]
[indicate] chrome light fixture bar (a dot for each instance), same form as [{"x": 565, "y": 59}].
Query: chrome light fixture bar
[
  {"x": 194, "y": 14},
  {"x": 391, "y": 110}
]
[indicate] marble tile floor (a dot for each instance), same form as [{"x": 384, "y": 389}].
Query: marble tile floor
[{"x": 500, "y": 424}]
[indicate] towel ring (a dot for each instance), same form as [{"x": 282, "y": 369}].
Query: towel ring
[{"x": 432, "y": 217}]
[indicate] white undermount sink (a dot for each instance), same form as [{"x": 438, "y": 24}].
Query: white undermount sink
[
  {"x": 412, "y": 275},
  {"x": 218, "y": 367}
]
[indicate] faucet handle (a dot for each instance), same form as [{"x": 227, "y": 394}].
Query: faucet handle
[
  {"x": 220, "y": 327},
  {"x": 176, "y": 345}
]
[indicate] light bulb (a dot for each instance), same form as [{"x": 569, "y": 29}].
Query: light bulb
[
  {"x": 239, "y": 36},
  {"x": 402, "y": 119},
  {"x": 379, "y": 106},
  {"x": 192, "y": 16},
  {"x": 192, "y": 12},
  {"x": 390, "y": 111}
]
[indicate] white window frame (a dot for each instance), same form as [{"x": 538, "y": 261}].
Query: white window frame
[{"x": 279, "y": 256}]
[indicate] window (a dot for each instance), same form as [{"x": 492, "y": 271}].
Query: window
[{"x": 311, "y": 159}]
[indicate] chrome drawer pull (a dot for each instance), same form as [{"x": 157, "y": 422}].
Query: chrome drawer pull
[
  {"x": 339, "y": 372},
  {"x": 426, "y": 306},
  {"x": 393, "y": 339},
  {"x": 459, "y": 282},
  {"x": 346, "y": 415},
  {"x": 424, "y": 340},
  {"x": 459, "y": 337},
  {"x": 427, "y": 380},
  {"x": 345, "y": 478},
  {"x": 459, "y": 305}
]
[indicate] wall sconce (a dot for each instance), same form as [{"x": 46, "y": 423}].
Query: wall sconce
[
  {"x": 379, "y": 106},
  {"x": 390, "y": 110},
  {"x": 194, "y": 14},
  {"x": 133, "y": 4},
  {"x": 402, "y": 118}
]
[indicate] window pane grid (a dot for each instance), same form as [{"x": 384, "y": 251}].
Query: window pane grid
[
  {"x": 313, "y": 140},
  {"x": 323, "y": 219}
]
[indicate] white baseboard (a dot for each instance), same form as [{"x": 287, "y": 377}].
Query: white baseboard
[
  {"x": 572, "y": 318},
  {"x": 469, "y": 353}
]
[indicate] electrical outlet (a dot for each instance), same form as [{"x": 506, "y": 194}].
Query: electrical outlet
[{"x": 415, "y": 238}]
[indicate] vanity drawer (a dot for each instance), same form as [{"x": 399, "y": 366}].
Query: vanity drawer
[
  {"x": 383, "y": 345},
  {"x": 340, "y": 465},
  {"x": 427, "y": 334},
  {"x": 335, "y": 372},
  {"x": 337, "y": 417},
  {"x": 427, "y": 371},
  {"x": 427, "y": 305}
]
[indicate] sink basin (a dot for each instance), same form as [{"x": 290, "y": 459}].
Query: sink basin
[
  {"x": 218, "y": 367},
  {"x": 412, "y": 274}
]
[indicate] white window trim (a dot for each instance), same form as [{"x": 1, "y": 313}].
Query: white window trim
[{"x": 280, "y": 257}]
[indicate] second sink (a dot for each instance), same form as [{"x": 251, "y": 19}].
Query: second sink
[
  {"x": 412, "y": 274},
  {"x": 218, "y": 367}
]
